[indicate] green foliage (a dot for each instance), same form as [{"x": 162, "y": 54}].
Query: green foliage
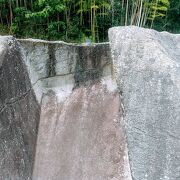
[
  {"x": 157, "y": 8},
  {"x": 79, "y": 20},
  {"x": 3, "y": 30},
  {"x": 172, "y": 22}
]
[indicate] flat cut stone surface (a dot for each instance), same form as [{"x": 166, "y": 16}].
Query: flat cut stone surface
[
  {"x": 82, "y": 138},
  {"x": 147, "y": 68}
]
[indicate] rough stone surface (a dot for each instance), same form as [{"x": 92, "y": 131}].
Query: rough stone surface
[
  {"x": 147, "y": 67},
  {"x": 19, "y": 114}
]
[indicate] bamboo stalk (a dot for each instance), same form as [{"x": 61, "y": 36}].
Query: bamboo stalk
[{"x": 126, "y": 17}]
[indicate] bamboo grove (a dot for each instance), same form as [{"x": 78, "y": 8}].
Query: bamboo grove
[{"x": 78, "y": 20}]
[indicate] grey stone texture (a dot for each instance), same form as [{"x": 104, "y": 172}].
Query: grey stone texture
[
  {"x": 147, "y": 69},
  {"x": 19, "y": 114}
]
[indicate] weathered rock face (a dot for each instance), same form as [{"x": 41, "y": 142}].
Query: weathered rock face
[
  {"x": 19, "y": 114},
  {"x": 60, "y": 66},
  {"x": 147, "y": 67}
]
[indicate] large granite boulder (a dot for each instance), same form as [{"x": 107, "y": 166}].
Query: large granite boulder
[
  {"x": 147, "y": 68},
  {"x": 19, "y": 114}
]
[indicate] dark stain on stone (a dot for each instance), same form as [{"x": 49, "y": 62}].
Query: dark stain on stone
[
  {"x": 51, "y": 64},
  {"x": 88, "y": 66}
]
